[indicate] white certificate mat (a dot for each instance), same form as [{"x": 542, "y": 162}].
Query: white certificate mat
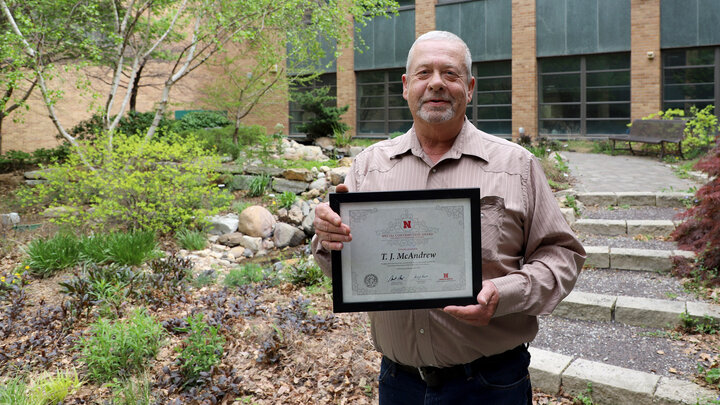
[{"x": 412, "y": 249}]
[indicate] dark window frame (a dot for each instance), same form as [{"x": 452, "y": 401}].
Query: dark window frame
[
  {"x": 385, "y": 96},
  {"x": 583, "y": 102},
  {"x": 666, "y": 103},
  {"x": 473, "y": 106}
]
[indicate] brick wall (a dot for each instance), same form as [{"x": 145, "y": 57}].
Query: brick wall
[
  {"x": 346, "y": 94},
  {"x": 645, "y": 73},
  {"x": 424, "y": 16},
  {"x": 524, "y": 68},
  {"x": 36, "y": 130}
]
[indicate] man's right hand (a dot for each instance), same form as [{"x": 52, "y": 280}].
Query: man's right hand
[{"x": 330, "y": 231}]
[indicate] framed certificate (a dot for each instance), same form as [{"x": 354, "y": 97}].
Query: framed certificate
[{"x": 410, "y": 250}]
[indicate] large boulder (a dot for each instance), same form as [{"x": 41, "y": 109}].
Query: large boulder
[
  {"x": 337, "y": 175},
  {"x": 287, "y": 235},
  {"x": 223, "y": 224},
  {"x": 319, "y": 184},
  {"x": 299, "y": 174},
  {"x": 256, "y": 221},
  {"x": 307, "y": 223},
  {"x": 266, "y": 170},
  {"x": 10, "y": 219}
]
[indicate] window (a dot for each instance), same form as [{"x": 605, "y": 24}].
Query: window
[
  {"x": 584, "y": 95},
  {"x": 491, "y": 107},
  {"x": 297, "y": 115},
  {"x": 381, "y": 108},
  {"x": 690, "y": 77}
]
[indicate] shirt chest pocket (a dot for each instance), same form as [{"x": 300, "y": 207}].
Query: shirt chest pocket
[{"x": 492, "y": 213}]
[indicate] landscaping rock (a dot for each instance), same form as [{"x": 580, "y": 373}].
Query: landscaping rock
[
  {"x": 260, "y": 170},
  {"x": 299, "y": 174},
  {"x": 283, "y": 185},
  {"x": 355, "y": 150},
  {"x": 35, "y": 175},
  {"x": 252, "y": 243},
  {"x": 231, "y": 168},
  {"x": 324, "y": 169},
  {"x": 287, "y": 235},
  {"x": 238, "y": 251},
  {"x": 326, "y": 143},
  {"x": 10, "y": 219},
  {"x": 57, "y": 212},
  {"x": 256, "y": 221},
  {"x": 240, "y": 182},
  {"x": 312, "y": 194},
  {"x": 345, "y": 162},
  {"x": 337, "y": 175},
  {"x": 320, "y": 184},
  {"x": 308, "y": 223},
  {"x": 230, "y": 239},
  {"x": 222, "y": 224}
]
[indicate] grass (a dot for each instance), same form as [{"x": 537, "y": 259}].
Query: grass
[
  {"x": 133, "y": 391},
  {"x": 47, "y": 256},
  {"x": 53, "y": 388},
  {"x": 204, "y": 279},
  {"x": 191, "y": 240},
  {"x": 247, "y": 274},
  {"x": 304, "y": 273},
  {"x": 14, "y": 392},
  {"x": 202, "y": 349},
  {"x": 122, "y": 348}
]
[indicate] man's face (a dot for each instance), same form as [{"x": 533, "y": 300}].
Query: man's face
[{"x": 436, "y": 86}]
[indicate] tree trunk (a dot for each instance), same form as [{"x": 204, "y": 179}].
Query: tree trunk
[
  {"x": 136, "y": 83},
  {"x": 2, "y": 118}
]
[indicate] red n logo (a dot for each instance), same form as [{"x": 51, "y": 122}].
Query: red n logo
[{"x": 406, "y": 224}]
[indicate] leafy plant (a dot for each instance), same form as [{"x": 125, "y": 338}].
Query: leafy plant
[
  {"x": 247, "y": 274},
  {"x": 201, "y": 350},
  {"x": 200, "y": 120},
  {"x": 700, "y": 231},
  {"x": 47, "y": 256},
  {"x": 204, "y": 278},
  {"x": 258, "y": 185},
  {"x": 326, "y": 116},
  {"x": 52, "y": 389},
  {"x": 304, "y": 273},
  {"x": 159, "y": 185},
  {"x": 122, "y": 348},
  {"x": 705, "y": 325},
  {"x": 191, "y": 240},
  {"x": 125, "y": 248},
  {"x": 287, "y": 198},
  {"x": 132, "y": 391},
  {"x": 571, "y": 202},
  {"x": 585, "y": 398}
]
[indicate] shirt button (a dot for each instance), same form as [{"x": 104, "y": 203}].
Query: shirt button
[
  {"x": 422, "y": 331},
  {"x": 434, "y": 170}
]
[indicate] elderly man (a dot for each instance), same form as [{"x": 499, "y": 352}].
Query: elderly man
[{"x": 474, "y": 354}]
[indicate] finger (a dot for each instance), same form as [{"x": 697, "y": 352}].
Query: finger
[
  {"x": 330, "y": 245},
  {"x": 341, "y": 188}
]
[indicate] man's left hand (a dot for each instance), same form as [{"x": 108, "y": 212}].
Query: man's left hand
[{"x": 480, "y": 314}]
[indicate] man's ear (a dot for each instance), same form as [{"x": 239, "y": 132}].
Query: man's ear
[
  {"x": 405, "y": 86},
  {"x": 471, "y": 88}
]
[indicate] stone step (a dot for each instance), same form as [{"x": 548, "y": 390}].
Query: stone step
[
  {"x": 635, "y": 311},
  {"x": 651, "y": 199},
  {"x": 552, "y": 372},
  {"x": 601, "y": 257},
  {"x": 623, "y": 227}
]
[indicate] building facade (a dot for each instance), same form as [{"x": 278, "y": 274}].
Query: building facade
[{"x": 558, "y": 68}]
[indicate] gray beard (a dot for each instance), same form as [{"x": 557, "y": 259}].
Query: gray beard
[{"x": 435, "y": 116}]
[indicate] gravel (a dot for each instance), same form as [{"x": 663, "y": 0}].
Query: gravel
[
  {"x": 631, "y": 213},
  {"x": 642, "y": 349},
  {"x": 626, "y": 242},
  {"x": 632, "y": 283}
]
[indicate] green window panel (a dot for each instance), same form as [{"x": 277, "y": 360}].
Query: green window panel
[
  {"x": 490, "y": 109},
  {"x": 486, "y": 26},
  {"x": 387, "y": 41},
  {"x": 297, "y": 115},
  {"x": 568, "y": 27},
  {"x": 687, "y": 23}
]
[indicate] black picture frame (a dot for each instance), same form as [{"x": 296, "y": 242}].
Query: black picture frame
[{"x": 469, "y": 196}]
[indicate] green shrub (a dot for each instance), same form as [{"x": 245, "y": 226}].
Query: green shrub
[
  {"x": 200, "y": 120},
  {"x": 47, "y": 256},
  {"x": 201, "y": 350},
  {"x": 304, "y": 273},
  {"x": 133, "y": 123},
  {"x": 325, "y": 120},
  {"x": 191, "y": 240},
  {"x": 287, "y": 199},
  {"x": 161, "y": 186},
  {"x": 122, "y": 348},
  {"x": 14, "y": 160},
  {"x": 220, "y": 140},
  {"x": 247, "y": 274}
]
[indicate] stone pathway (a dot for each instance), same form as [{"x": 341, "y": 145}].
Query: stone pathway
[
  {"x": 590, "y": 337},
  {"x": 604, "y": 173}
]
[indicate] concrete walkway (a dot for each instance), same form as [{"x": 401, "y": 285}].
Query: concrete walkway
[{"x": 605, "y": 173}]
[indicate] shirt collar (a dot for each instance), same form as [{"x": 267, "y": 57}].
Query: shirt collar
[{"x": 468, "y": 142}]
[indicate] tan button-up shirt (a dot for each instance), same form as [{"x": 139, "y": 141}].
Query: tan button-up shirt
[{"x": 528, "y": 250}]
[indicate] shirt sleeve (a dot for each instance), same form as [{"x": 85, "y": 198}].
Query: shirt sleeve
[
  {"x": 552, "y": 259},
  {"x": 322, "y": 256}
]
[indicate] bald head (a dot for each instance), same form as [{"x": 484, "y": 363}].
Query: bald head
[{"x": 441, "y": 36}]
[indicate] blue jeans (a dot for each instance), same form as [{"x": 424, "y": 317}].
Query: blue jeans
[{"x": 500, "y": 384}]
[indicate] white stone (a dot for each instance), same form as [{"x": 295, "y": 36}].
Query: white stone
[
  {"x": 648, "y": 312},
  {"x": 610, "y": 384},
  {"x": 546, "y": 369}
]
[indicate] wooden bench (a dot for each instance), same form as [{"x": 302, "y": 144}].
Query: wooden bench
[{"x": 654, "y": 132}]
